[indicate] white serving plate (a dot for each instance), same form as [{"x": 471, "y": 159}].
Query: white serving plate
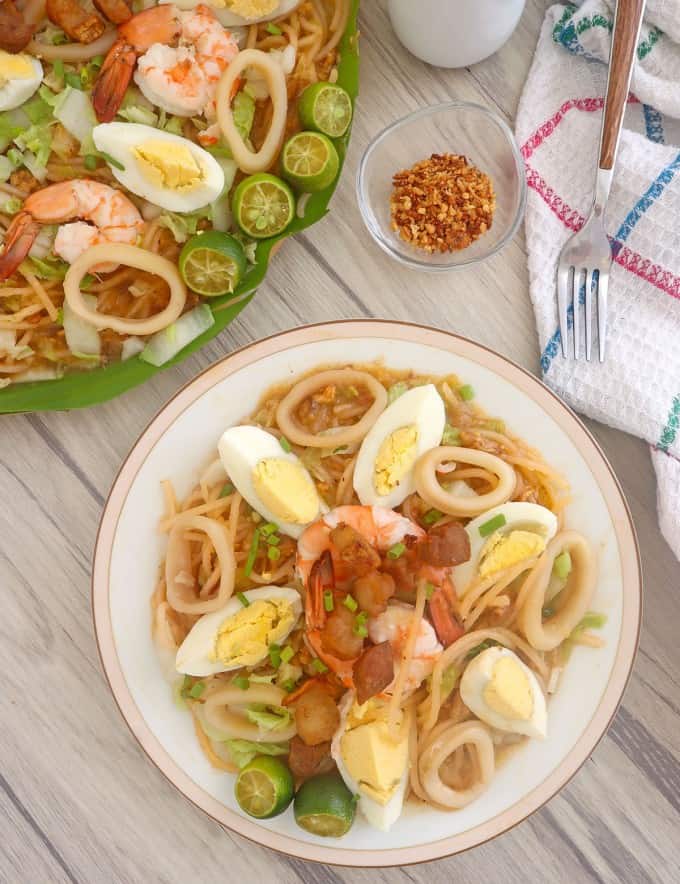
[{"x": 183, "y": 437}]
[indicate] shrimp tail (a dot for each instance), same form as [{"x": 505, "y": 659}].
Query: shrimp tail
[
  {"x": 342, "y": 668},
  {"x": 321, "y": 579},
  {"x": 113, "y": 80},
  {"x": 19, "y": 238}
]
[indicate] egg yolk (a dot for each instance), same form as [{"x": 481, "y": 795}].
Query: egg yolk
[
  {"x": 286, "y": 490},
  {"x": 508, "y": 692},
  {"x": 503, "y": 550},
  {"x": 251, "y": 8},
  {"x": 372, "y": 758},
  {"x": 14, "y": 67},
  {"x": 168, "y": 165},
  {"x": 396, "y": 456},
  {"x": 244, "y": 639}
]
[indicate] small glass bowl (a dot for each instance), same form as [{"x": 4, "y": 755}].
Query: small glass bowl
[{"x": 457, "y": 127}]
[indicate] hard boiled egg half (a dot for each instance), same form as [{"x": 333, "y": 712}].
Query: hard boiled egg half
[
  {"x": 502, "y": 691},
  {"x": 20, "y": 77},
  {"x": 410, "y": 426},
  {"x": 240, "y": 635},
  {"x": 167, "y": 170},
  {"x": 372, "y": 765},
  {"x": 239, "y": 13},
  {"x": 504, "y": 536},
  {"x": 271, "y": 479}
]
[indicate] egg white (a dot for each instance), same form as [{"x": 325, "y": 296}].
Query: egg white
[
  {"x": 193, "y": 655},
  {"x": 241, "y": 449},
  {"x": 380, "y": 816},
  {"x": 229, "y": 19},
  {"x": 421, "y": 406},
  {"x": 475, "y": 678},
  {"x": 519, "y": 516},
  {"x": 17, "y": 91},
  {"x": 119, "y": 139}
]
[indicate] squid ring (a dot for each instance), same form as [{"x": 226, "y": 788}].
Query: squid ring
[
  {"x": 471, "y": 733},
  {"x": 248, "y": 160},
  {"x": 182, "y": 596},
  {"x": 131, "y": 256},
  {"x": 343, "y": 435},
  {"x": 432, "y": 492},
  {"x": 547, "y": 635}
]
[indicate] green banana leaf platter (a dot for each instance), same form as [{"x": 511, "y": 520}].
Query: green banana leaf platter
[{"x": 84, "y": 388}]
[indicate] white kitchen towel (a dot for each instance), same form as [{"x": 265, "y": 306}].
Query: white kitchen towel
[{"x": 637, "y": 388}]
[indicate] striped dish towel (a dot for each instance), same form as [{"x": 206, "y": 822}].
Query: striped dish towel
[{"x": 558, "y": 126}]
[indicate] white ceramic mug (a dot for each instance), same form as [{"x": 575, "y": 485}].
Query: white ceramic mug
[{"x": 454, "y": 33}]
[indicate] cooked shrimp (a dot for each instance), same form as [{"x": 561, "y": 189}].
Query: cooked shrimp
[
  {"x": 393, "y": 626},
  {"x": 78, "y": 23},
  {"x": 179, "y": 57},
  {"x": 111, "y": 216},
  {"x": 15, "y": 33}
]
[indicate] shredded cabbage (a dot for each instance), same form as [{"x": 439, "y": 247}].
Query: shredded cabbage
[
  {"x": 82, "y": 338},
  {"x": 48, "y": 268},
  {"x": 183, "y": 226},
  {"x": 137, "y": 114},
  {"x": 243, "y": 751},
  {"x": 268, "y": 718},
  {"x": 74, "y": 111},
  {"x": 166, "y": 344}
]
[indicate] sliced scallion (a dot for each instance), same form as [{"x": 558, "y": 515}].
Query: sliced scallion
[
  {"x": 252, "y": 553},
  {"x": 492, "y": 525},
  {"x": 287, "y": 654},
  {"x": 242, "y": 598},
  {"x": 196, "y": 690},
  {"x": 242, "y": 682},
  {"x": 328, "y": 602},
  {"x": 285, "y": 444},
  {"x": 466, "y": 392},
  {"x": 319, "y": 666},
  {"x": 394, "y": 552},
  {"x": 350, "y": 603}
]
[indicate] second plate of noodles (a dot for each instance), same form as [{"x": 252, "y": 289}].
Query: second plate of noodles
[{"x": 129, "y": 130}]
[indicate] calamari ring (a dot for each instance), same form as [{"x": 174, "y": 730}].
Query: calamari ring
[
  {"x": 341, "y": 435},
  {"x": 248, "y": 160},
  {"x": 219, "y": 713},
  {"x": 471, "y": 733},
  {"x": 131, "y": 256},
  {"x": 180, "y": 595},
  {"x": 73, "y": 52},
  {"x": 432, "y": 492},
  {"x": 546, "y": 635}
]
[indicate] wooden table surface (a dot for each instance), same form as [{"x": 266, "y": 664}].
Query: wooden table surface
[{"x": 78, "y": 800}]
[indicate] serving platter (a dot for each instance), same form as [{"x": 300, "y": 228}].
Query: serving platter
[
  {"x": 82, "y": 389},
  {"x": 129, "y": 549}
]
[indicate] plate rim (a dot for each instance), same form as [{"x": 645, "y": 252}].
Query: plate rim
[{"x": 601, "y": 471}]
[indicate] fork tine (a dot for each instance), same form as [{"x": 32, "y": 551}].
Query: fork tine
[
  {"x": 577, "y": 311},
  {"x": 563, "y": 304},
  {"x": 602, "y": 286},
  {"x": 590, "y": 279}
]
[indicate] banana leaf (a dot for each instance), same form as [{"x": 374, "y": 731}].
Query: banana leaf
[{"x": 81, "y": 389}]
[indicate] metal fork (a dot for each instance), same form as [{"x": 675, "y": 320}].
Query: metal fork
[{"x": 585, "y": 260}]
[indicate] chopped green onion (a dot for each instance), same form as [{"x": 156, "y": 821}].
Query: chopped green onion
[
  {"x": 431, "y": 517},
  {"x": 328, "y": 602},
  {"x": 275, "y": 655},
  {"x": 288, "y": 685},
  {"x": 492, "y": 525},
  {"x": 252, "y": 553},
  {"x": 196, "y": 690},
  {"x": 111, "y": 161},
  {"x": 341, "y": 449},
  {"x": 242, "y": 682},
  {"x": 287, "y": 654},
  {"x": 562, "y": 565},
  {"x": 319, "y": 666},
  {"x": 273, "y": 29},
  {"x": 350, "y": 603},
  {"x": 242, "y": 598},
  {"x": 269, "y": 528},
  {"x": 466, "y": 392},
  {"x": 60, "y": 316},
  {"x": 90, "y": 162},
  {"x": 362, "y": 617},
  {"x": 58, "y": 68},
  {"x": 186, "y": 687},
  {"x": 273, "y": 540},
  {"x": 592, "y": 620},
  {"x": 482, "y": 646},
  {"x": 227, "y": 490},
  {"x": 273, "y": 553},
  {"x": 394, "y": 552},
  {"x": 73, "y": 80},
  {"x": 285, "y": 444},
  {"x": 429, "y": 590},
  {"x": 451, "y": 435},
  {"x": 360, "y": 630}
]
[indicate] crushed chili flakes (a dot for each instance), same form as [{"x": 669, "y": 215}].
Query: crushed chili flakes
[{"x": 442, "y": 204}]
